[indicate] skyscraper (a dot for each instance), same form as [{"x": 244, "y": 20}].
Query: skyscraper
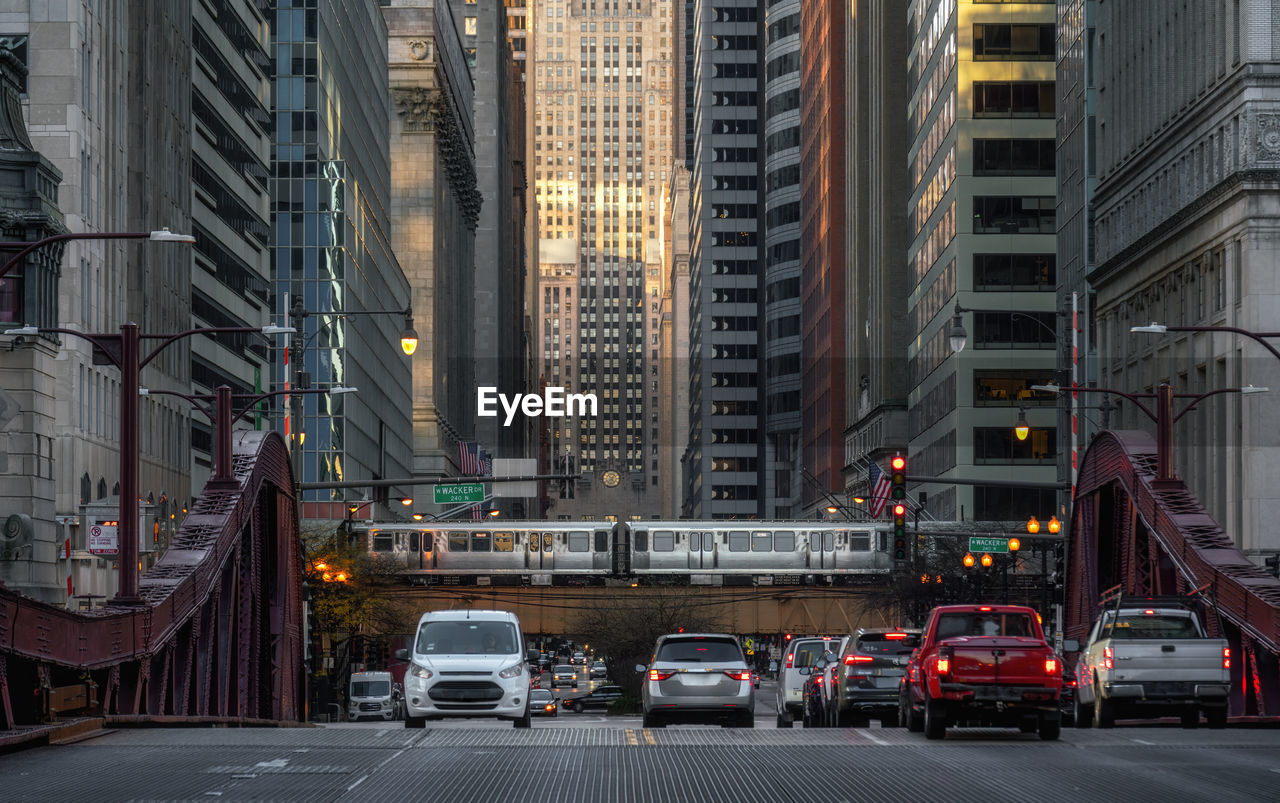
[
  {"x": 331, "y": 242},
  {"x": 601, "y": 154},
  {"x": 981, "y": 237},
  {"x": 782, "y": 473},
  {"x": 1188, "y": 158},
  {"x": 726, "y": 264}
]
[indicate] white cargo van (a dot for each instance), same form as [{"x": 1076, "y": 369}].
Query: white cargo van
[
  {"x": 372, "y": 694},
  {"x": 466, "y": 663}
]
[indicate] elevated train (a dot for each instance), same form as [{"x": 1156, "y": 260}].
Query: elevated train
[{"x": 740, "y": 552}]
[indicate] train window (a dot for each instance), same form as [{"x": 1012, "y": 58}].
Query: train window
[
  {"x": 883, "y": 545},
  {"x": 503, "y": 542},
  {"x": 695, "y": 542},
  {"x": 761, "y": 541},
  {"x": 602, "y": 541},
  {"x": 664, "y": 541},
  {"x": 828, "y": 541},
  {"x": 480, "y": 542},
  {"x": 859, "y": 543},
  {"x": 415, "y": 542},
  {"x": 579, "y": 542},
  {"x": 382, "y": 542},
  {"x": 739, "y": 541},
  {"x": 708, "y": 542},
  {"x": 642, "y": 540},
  {"x": 784, "y": 542},
  {"x": 457, "y": 542},
  {"x": 428, "y": 541},
  {"x": 547, "y": 541},
  {"x": 534, "y": 540}
]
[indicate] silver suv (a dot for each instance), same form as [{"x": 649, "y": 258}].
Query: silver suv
[{"x": 697, "y": 677}]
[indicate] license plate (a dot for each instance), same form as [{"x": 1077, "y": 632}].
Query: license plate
[{"x": 698, "y": 679}]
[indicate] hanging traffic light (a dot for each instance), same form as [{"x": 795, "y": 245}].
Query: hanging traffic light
[
  {"x": 898, "y": 477},
  {"x": 899, "y": 531}
]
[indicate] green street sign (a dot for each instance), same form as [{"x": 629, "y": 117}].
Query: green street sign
[
  {"x": 988, "y": 544},
  {"x": 457, "y": 494}
]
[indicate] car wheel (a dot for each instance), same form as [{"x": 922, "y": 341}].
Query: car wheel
[
  {"x": 651, "y": 721},
  {"x": 784, "y": 721},
  {"x": 1217, "y": 717},
  {"x": 1050, "y": 728},
  {"x": 1104, "y": 711},
  {"x": 415, "y": 722},
  {"x": 525, "y": 720},
  {"x": 1190, "y": 718},
  {"x": 935, "y": 720},
  {"x": 578, "y": 708},
  {"x": 1083, "y": 716},
  {"x": 908, "y": 715},
  {"x": 889, "y": 720}
]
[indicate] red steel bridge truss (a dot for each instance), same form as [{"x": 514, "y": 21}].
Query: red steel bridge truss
[
  {"x": 219, "y": 635},
  {"x": 1148, "y": 537}
]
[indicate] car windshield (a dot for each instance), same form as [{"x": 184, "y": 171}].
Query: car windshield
[
  {"x": 985, "y": 623},
  {"x": 1149, "y": 626},
  {"x": 810, "y": 652},
  {"x": 467, "y": 637},
  {"x": 881, "y": 644},
  {"x": 565, "y": 670},
  {"x": 699, "y": 650},
  {"x": 541, "y": 696},
  {"x": 370, "y": 688}
]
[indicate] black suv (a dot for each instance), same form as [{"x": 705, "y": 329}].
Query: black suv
[{"x": 869, "y": 673}]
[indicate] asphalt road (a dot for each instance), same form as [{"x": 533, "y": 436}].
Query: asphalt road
[{"x": 591, "y": 757}]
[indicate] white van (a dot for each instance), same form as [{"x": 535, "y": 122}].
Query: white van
[
  {"x": 372, "y": 694},
  {"x": 800, "y": 654},
  {"x": 466, "y": 663}
]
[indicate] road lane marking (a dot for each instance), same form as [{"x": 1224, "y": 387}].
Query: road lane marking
[
  {"x": 357, "y": 783},
  {"x": 648, "y": 737},
  {"x": 874, "y": 738},
  {"x": 390, "y": 758},
  {"x": 1140, "y": 741},
  {"x": 631, "y": 737}
]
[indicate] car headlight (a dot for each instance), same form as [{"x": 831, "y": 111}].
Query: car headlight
[
  {"x": 513, "y": 671},
  {"x": 420, "y": 671}
]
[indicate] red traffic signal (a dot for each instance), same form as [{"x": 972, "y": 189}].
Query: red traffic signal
[
  {"x": 899, "y": 509},
  {"x": 788, "y": 637},
  {"x": 898, "y": 463}
]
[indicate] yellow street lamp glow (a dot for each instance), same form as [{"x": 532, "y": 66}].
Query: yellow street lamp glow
[
  {"x": 1014, "y": 545},
  {"x": 341, "y": 577},
  {"x": 321, "y": 566},
  {"x": 968, "y": 560},
  {"x": 986, "y": 559},
  {"x": 417, "y": 517},
  {"x": 857, "y": 500},
  {"x": 832, "y": 509},
  {"x": 406, "y": 501},
  {"x": 326, "y": 577},
  {"x": 1033, "y": 525},
  {"x": 408, "y": 337},
  {"x": 1054, "y": 525},
  {"x": 1021, "y": 428}
]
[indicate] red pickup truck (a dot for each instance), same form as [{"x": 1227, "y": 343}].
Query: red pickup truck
[{"x": 987, "y": 664}]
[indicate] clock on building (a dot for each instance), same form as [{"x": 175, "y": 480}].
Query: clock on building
[{"x": 611, "y": 478}]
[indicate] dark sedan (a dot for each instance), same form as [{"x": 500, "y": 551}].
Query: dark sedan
[
  {"x": 600, "y": 698},
  {"x": 542, "y": 703},
  {"x": 1067, "y": 702}
]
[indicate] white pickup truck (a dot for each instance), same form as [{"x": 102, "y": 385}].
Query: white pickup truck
[{"x": 1151, "y": 658}]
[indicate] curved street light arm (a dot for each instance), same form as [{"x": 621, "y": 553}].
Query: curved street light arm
[
  {"x": 170, "y": 339},
  {"x": 17, "y": 258},
  {"x": 95, "y": 339},
  {"x": 1257, "y": 336},
  {"x": 1196, "y": 398},
  {"x": 1133, "y": 397}
]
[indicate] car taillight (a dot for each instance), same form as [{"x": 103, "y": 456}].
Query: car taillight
[
  {"x": 895, "y": 636},
  {"x": 1051, "y": 666},
  {"x": 944, "y": 660},
  {"x": 738, "y": 675},
  {"x": 858, "y": 659},
  {"x": 658, "y": 674},
  {"x": 791, "y": 657},
  {"x": 1108, "y": 658},
  {"x": 1226, "y": 657}
]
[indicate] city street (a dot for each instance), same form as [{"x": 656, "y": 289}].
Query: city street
[{"x": 593, "y": 758}]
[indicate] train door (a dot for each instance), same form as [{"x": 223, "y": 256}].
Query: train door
[
  {"x": 822, "y": 546},
  {"x": 540, "y": 552},
  {"x": 702, "y": 550}
]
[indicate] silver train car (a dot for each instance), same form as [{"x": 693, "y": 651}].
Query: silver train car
[
  {"x": 532, "y": 552},
  {"x": 723, "y": 552},
  {"x": 646, "y": 552}
]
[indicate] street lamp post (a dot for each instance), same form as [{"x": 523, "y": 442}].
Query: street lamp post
[
  {"x": 131, "y": 362},
  {"x": 162, "y": 235},
  {"x": 1163, "y": 416}
]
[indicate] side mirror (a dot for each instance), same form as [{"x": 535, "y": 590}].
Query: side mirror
[
  {"x": 1071, "y": 645},
  {"x": 804, "y": 670},
  {"x": 640, "y": 668},
  {"x": 402, "y": 654}
]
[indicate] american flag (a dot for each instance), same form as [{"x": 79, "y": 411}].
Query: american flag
[
  {"x": 485, "y": 464},
  {"x": 469, "y": 458},
  {"x": 878, "y": 481}
]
